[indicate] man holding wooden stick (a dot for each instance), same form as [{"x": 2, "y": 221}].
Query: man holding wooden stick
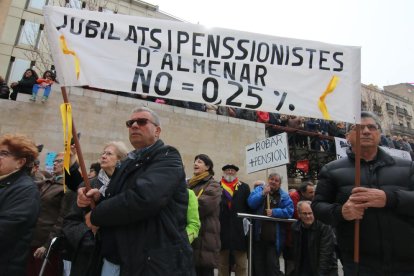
[{"x": 383, "y": 204}]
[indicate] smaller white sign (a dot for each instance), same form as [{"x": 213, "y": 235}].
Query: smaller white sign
[
  {"x": 268, "y": 153},
  {"x": 342, "y": 145}
]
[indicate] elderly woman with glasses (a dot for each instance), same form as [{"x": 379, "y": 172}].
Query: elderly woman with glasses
[
  {"x": 19, "y": 202},
  {"x": 82, "y": 240}
]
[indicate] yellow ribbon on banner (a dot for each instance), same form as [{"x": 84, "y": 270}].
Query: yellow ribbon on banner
[
  {"x": 66, "y": 51},
  {"x": 329, "y": 89},
  {"x": 66, "y": 112}
]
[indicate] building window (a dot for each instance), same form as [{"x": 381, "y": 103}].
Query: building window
[
  {"x": 37, "y": 4},
  {"x": 18, "y": 67},
  {"x": 29, "y": 33}
]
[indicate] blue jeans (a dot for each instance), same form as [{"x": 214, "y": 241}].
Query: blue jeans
[
  {"x": 46, "y": 91},
  {"x": 110, "y": 269}
]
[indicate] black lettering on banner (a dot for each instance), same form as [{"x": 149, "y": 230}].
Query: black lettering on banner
[
  {"x": 155, "y": 39},
  {"x": 230, "y": 101},
  {"x": 180, "y": 67},
  {"x": 261, "y": 72},
  {"x": 287, "y": 55},
  {"x": 65, "y": 22},
  {"x": 245, "y": 73},
  {"x": 141, "y": 62},
  {"x": 311, "y": 51},
  {"x": 260, "y": 50},
  {"x": 91, "y": 28},
  {"x": 213, "y": 45},
  {"x": 211, "y": 69},
  {"x": 145, "y": 80},
  {"x": 251, "y": 94},
  {"x": 229, "y": 72},
  {"x": 201, "y": 64},
  {"x": 228, "y": 47},
  {"x": 322, "y": 59},
  {"x": 103, "y": 31},
  {"x": 111, "y": 35},
  {"x": 298, "y": 56},
  {"x": 277, "y": 52},
  {"x": 143, "y": 30},
  {"x": 183, "y": 38},
  {"x": 341, "y": 64},
  {"x": 196, "y": 44},
  {"x": 157, "y": 85},
  {"x": 167, "y": 61},
  {"x": 72, "y": 26},
  {"x": 252, "y": 53},
  {"x": 242, "y": 49},
  {"x": 132, "y": 34},
  {"x": 215, "y": 84}
]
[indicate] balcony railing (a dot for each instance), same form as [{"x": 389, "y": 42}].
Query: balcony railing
[
  {"x": 390, "y": 108},
  {"x": 378, "y": 110},
  {"x": 400, "y": 111},
  {"x": 402, "y": 130}
]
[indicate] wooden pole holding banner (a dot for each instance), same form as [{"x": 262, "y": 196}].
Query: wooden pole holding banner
[
  {"x": 357, "y": 184},
  {"x": 78, "y": 149}
]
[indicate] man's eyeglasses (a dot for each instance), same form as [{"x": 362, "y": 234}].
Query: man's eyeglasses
[
  {"x": 58, "y": 161},
  {"x": 5, "y": 153},
  {"x": 371, "y": 127},
  {"x": 140, "y": 122}
]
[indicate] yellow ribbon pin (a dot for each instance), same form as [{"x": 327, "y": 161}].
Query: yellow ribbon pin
[
  {"x": 66, "y": 51},
  {"x": 329, "y": 89},
  {"x": 66, "y": 112}
]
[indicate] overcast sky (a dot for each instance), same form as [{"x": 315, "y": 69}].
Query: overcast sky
[{"x": 383, "y": 28}]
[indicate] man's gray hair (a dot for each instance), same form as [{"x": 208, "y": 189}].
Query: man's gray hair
[
  {"x": 154, "y": 115},
  {"x": 275, "y": 174},
  {"x": 300, "y": 203},
  {"x": 368, "y": 114}
]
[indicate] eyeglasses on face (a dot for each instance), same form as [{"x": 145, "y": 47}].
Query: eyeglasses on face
[
  {"x": 140, "y": 122},
  {"x": 58, "y": 161},
  {"x": 5, "y": 153},
  {"x": 107, "y": 153},
  {"x": 306, "y": 213},
  {"x": 371, "y": 127}
]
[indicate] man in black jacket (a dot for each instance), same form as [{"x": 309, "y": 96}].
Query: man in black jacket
[
  {"x": 384, "y": 205},
  {"x": 142, "y": 217},
  {"x": 233, "y": 240},
  {"x": 313, "y": 244}
]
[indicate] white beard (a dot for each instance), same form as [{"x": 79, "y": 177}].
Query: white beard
[{"x": 229, "y": 178}]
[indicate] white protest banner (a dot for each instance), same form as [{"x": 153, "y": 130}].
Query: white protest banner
[
  {"x": 183, "y": 61},
  {"x": 268, "y": 153},
  {"x": 342, "y": 145}
]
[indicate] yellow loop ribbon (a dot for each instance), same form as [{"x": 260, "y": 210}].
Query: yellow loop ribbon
[
  {"x": 66, "y": 51},
  {"x": 66, "y": 112},
  {"x": 329, "y": 89}
]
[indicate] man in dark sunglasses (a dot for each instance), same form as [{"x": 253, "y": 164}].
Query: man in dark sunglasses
[
  {"x": 142, "y": 217},
  {"x": 384, "y": 205}
]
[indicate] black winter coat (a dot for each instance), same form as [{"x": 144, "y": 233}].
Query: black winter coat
[
  {"x": 79, "y": 239},
  {"x": 386, "y": 234},
  {"x": 145, "y": 209},
  {"x": 19, "y": 209},
  {"x": 320, "y": 248},
  {"x": 231, "y": 227}
]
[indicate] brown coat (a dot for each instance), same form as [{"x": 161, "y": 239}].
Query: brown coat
[
  {"x": 207, "y": 246},
  {"x": 54, "y": 205}
]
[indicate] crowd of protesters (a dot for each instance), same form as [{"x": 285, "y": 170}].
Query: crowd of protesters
[{"x": 149, "y": 218}]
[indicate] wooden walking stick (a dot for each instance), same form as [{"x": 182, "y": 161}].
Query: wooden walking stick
[
  {"x": 357, "y": 184},
  {"x": 78, "y": 149}
]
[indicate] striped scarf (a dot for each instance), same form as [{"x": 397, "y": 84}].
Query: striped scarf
[{"x": 228, "y": 189}]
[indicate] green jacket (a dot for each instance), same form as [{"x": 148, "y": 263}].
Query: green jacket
[{"x": 193, "y": 220}]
